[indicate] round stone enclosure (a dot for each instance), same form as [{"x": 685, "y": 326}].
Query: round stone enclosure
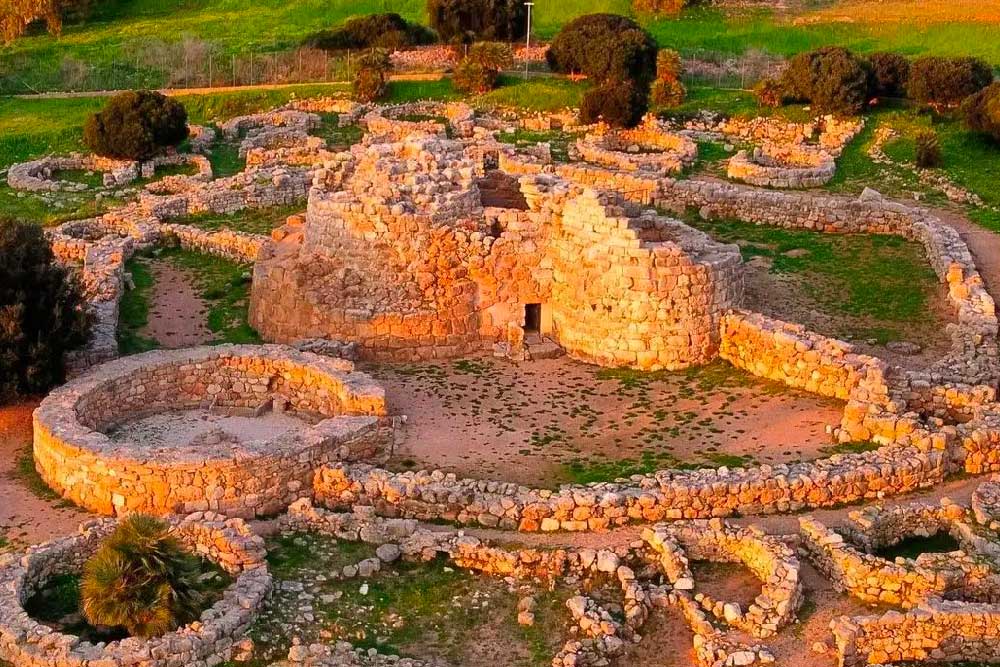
[
  {"x": 209, "y": 641},
  {"x": 252, "y": 472}
]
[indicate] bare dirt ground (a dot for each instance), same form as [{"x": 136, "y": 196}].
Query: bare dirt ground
[
  {"x": 176, "y": 311},
  {"x": 26, "y": 517},
  {"x": 178, "y": 429},
  {"x": 559, "y": 420}
]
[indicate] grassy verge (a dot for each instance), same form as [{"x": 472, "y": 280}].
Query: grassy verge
[
  {"x": 223, "y": 284},
  {"x": 874, "y": 286},
  {"x": 25, "y": 472},
  {"x": 251, "y": 220}
]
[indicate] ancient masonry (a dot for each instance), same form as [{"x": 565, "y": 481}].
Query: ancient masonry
[
  {"x": 246, "y": 479},
  {"x": 433, "y": 239},
  {"x": 209, "y": 641}
]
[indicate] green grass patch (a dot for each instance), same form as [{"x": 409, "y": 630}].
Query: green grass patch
[
  {"x": 884, "y": 282},
  {"x": 538, "y": 94},
  {"x": 850, "y": 448},
  {"x": 558, "y": 141},
  {"x": 338, "y": 136},
  {"x": 250, "y": 221},
  {"x": 133, "y": 310},
  {"x": 25, "y": 472}
]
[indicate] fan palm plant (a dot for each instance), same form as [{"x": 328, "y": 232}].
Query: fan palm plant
[{"x": 141, "y": 579}]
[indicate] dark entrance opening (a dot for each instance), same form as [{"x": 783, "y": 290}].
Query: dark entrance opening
[{"x": 532, "y": 317}]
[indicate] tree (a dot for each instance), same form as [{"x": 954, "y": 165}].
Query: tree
[
  {"x": 370, "y": 81},
  {"x": 620, "y": 104},
  {"x": 478, "y": 72},
  {"x": 136, "y": 125},
  {"x": 42, "y": 313},
  {"x": 605, "y": 47},
  {"x": 945, "y": 82},
  {"x": 17, "y": 15},
  {"x": 468, "y": 21},
  {"x": 390, "y": 31},
  {"x": 141, "y": 579},
  {"x": 982, "y": 111},
  {"x": 832, "y": 79},
  {"x": 890, "y": 74},
  {"x": 667, "y": 90}
]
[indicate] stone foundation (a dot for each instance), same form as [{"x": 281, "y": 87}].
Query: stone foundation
[{"x": 77, "y": 459}]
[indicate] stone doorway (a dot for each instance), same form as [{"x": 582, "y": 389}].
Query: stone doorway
[{"x": 532, "y": 318}]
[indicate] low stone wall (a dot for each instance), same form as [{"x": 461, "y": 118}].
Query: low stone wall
[
  {"x": 790, "y": 166},
  {"x": 37, "y": 175},
  {"x": 649, "y": 147},
  {"x": 24, "y": 642},
  {"x": 938, "y": 632},
  {"x": 77, "y": 459},
  {"x": 390, "y": 121}
]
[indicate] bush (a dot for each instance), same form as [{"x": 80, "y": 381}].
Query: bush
[
  {"x": 473, "y": 20},
  {"x": 928, "y": 149},
  {"x": 492, "y": 55},
  {"x": 890, "y": 74},
  {"x": 668, "y": 91},
  {"x": 605, "y": 47},
  {"x": 945, "y": 82},
  {"x": 136, "y": 125},
  {"x": 390, "y": 31},
  {"x": 832, "y": 79},
  {"x": 769, "y": 93},
  {"x": 473, "y": 78},
  {"x": 659, "y": 6},
  {"x": 982, "y": 111},
  {"x": 17, "y": 15},
  {"x": 617, "y": 103},
  {"x": 42, "y": 313},
  {"x": 370, "y": 85},
  {"x": 141, "y": 579}
]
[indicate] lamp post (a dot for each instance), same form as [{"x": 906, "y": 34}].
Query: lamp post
[{"x": 527, "y": 44}]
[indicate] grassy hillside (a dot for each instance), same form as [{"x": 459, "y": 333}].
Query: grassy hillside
[{"x": 111, "y": 45}]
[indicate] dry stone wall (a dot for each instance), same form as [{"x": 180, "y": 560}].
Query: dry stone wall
[
  {"x": 25, "y": 642},
  {"x": 77, "y": 459}
]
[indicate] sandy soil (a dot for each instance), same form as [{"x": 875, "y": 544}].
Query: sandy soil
[
  {"x": 26, "y": 518},
  {"x": 550, "y": 421},
  {"x": 176, "y": 311},
  {"x": 179, "y": 429}
]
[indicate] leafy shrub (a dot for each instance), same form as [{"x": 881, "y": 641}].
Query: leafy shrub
[
  {"x": 928, "y": 149},
  {"x": 890, "y": 74},
  {"x": 605, "y": 47},
  {"x": 945, "y": 82},
  {"x": 668, "y": 91},
  {"x": 982, "y": 111},
  {"x": 769, "y": 93},
  {"x": 17, "y": 15},
  {"x": 832, "y": 79},
  {"x": 618, "y": 103},
  {"x": 472, "y": 20},
  {"x": 478, "y": 72},
  {"x": 370, "y": 85},
  {"x": 390, "y": 31},
  {"x": 141, "y": 579},
  {"x": 473, "y": 78},
  {"x": 42, "y": 314},
  {"x": 136, "y": 125},
  {"x": 660, "y": 6}
]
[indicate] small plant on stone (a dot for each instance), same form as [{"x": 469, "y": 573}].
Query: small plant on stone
[
  {"x": 141, "y": 579},
  {"x": 928, "y": 149}
]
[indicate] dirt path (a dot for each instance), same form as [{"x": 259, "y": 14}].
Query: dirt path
[
  {"x": 176, "y": 309},
  {"x": 984, "y": 244},
  {"x": 25, "y": 517}
]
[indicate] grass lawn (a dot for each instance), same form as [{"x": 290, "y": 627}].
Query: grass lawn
[
  {"x": 251, "y": 220},
  {"x": 113, "y": 42},
  {"x": 873, "y": 286}
]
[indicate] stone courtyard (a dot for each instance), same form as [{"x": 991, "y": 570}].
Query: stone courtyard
[{"x": 520, "y": 410}]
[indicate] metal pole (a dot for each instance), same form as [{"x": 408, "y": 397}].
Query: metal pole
[{"x": 527, "y": 43}]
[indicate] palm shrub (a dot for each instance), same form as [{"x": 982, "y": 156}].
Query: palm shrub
[
  {"x": 928, "y": 149},
  {"x": 982, "y": 111},
  {"x": 42, "y": 312},
  {"x": 371, "y": 79},
  {"x": 478, "y": 72},
  {"x": 945, "y": 82},
  {"x": 141, "y": 579},
  {"x": 667, "y": 90}
]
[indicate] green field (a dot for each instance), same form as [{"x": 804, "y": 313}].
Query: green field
[{"x": 119, "y": 46}]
